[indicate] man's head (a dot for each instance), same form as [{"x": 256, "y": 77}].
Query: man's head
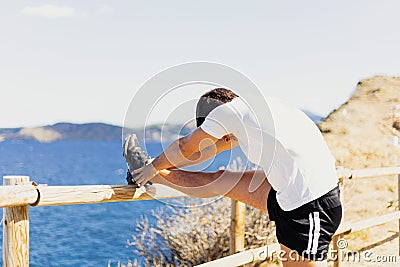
[{"x": 210, "y": 101}]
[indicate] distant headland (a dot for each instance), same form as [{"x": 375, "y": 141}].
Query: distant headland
[
  {"x": 88, "y": 132},
  {"x": 65, "y": 131}
]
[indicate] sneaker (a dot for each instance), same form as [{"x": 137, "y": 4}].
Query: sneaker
[{"x": 134, "y": 156}]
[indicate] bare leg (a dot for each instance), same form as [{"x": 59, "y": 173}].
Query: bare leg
[
  {"x": 234, "y": 185},
  {"x": 294, "y": 260}
]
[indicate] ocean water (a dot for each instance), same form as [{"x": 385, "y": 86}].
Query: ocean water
[{"x": 81, "y": 235}]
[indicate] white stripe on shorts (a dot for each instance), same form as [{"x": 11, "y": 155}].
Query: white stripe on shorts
[
  {"x": 317, "y": 227},
  {"x": 313, "y": 234},
  {"x": 311, "y": 220}
]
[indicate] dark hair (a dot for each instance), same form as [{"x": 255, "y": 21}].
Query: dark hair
[{"x": 210, "y": 101}]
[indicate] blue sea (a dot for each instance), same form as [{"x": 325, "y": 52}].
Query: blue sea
[{"x": 80, "y": 235}]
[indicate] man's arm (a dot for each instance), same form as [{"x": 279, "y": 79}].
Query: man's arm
[
  {"x": 225, "y": 143},
  {"x": 181, "y": 150},
  {"x": 184, "y": 152}
]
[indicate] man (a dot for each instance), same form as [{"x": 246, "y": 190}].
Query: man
[{"x": 297, "y": 185}]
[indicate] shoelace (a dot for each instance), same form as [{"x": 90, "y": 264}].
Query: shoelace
[{"x": 129, "y": 179}]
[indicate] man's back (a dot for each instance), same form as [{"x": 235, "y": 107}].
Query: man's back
[{"x": 294, "y": 155}]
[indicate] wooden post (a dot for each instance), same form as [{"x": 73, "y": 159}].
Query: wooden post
[
  {"x": 337, "y": 252},
  {"x": 398, "y": 203},
  {"x": 341, "y": 187},
  {"x": 238, "y": 216},
  {"x": 15, "y": 229}
]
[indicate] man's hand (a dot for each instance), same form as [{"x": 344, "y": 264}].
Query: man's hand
[{"x": 146, "y": 173}]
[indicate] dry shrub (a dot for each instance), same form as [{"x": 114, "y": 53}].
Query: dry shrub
[{"x": 193, "y": 235}]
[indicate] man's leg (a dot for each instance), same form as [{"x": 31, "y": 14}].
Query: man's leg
[
  {"x": 291, "y": 259},
  {"x": 234, "y": 185}
]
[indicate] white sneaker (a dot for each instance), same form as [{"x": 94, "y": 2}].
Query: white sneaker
[{"x": 135, "y": 158}]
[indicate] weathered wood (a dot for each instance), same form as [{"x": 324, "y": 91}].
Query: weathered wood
[
  {"x": 16, "y": 229},
  {"x": 17, "y": 195},
  {"x": 374, "y": 172},
  {"x": 245, "y": 257},
  {"x": 348, "y": 228},
  {"x": 64, "y": 195},
  {"x": 237, "y": 227},
  {"x": 343, "y": 173},
  {"x": 86, "y": 194},
  {"x": 338, "y": 255},
  {"x": 341, "y": 187},
  {"x": 398, "y": 204}
]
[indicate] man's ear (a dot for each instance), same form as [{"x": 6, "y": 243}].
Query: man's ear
[
  {"x": 226, "y": 138},
  {"x": 229, "y": 138}
]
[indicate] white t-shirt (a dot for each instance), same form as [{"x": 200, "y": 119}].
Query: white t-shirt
[{"x": 294, "y": 156}]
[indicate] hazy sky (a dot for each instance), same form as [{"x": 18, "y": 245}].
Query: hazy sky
[{"x": 82, "y": 61}]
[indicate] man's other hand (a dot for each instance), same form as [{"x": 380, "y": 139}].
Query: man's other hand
[{"x": 145, "y": 174}]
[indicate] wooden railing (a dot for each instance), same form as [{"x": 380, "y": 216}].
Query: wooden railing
[{"x": 18, "y": 193}]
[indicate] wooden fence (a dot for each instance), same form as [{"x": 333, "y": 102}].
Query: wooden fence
[
  {"x": 18, "y": 193},
  {"x": 345, "y": 228}
]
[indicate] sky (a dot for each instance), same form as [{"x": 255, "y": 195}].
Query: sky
[{"x": 83, "y": 61}]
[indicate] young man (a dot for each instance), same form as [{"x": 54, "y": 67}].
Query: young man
[{"x": 297, "y": 185}]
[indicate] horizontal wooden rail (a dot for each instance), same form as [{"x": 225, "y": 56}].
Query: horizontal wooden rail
[
  {"x": 43, "y": 195},
  {"x": 364, "y": 224},
  {"x": 245, "y": 257},
  {"x": 17, "y": 195},
  {"x": 265, "y": 252},
  {"x": 374, "y": 172}
]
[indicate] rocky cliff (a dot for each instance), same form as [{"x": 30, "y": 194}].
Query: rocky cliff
[{"x": 360, "y": 132}]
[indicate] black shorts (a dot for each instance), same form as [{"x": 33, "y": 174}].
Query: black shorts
[{"x": 308, "y": 229}]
